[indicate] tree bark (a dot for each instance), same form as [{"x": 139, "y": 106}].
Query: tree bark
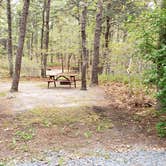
[
  {"x": 23, "y": 22},
  {"x": 46, "y": 41},
  {"x": 10, "y": 50},
  {"x": 94, "y": 79},
  {"x": 108, "y": 26},
  {"x": 1, "y": 2},
  {"x": 42, "y": 37},
  {"x": 31, "y": 46},
  {"x": 68, "y": 61},
  {"x": 84, "y": 49},
  {"x": 106, "y": 64},
  {"x": 62, "y": 62}
]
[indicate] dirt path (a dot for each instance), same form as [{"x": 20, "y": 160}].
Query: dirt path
[{"x": 36, "y": 94}]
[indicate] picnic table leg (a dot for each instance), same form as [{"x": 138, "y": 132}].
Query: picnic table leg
[
  {"x": 54, "y": 83},
  {"x": 75, "y": 84}
]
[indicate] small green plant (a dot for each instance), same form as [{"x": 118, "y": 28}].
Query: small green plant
[
  {"x": 25, "y": 148},
  {"x": 47, "y": 123},
  {"x": 25, "y": 135},
  {"x": 161, "y": 129},
  {"x": 104, "y": 125},
  {"x": 88, "y": 134},
  {"x": 61, "y": 161}
]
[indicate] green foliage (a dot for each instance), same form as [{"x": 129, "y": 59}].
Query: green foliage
[
  {"x": 88, "y": 134},
  {"x": 106, "y": 124},
  {"x": 161, "y": 129},
  {"x": 54, "y": 64},
  {"x": 1, "y": 164},
  {"x": 61, "y": 161},
  {"x": 135, "y": 80},
  {"x": 153, "y": 49},
  {"x": 25, "y": 135}
]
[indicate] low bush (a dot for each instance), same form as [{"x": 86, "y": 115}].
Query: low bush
[{"x": 161, "y": 129}]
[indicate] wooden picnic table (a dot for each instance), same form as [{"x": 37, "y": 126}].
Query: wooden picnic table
[{"x": 63, "y": 79}]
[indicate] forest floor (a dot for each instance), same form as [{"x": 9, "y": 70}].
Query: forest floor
[{"x": 37, "y": 120}]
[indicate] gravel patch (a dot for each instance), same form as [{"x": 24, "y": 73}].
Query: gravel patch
[{"x": 131, "y": 158}]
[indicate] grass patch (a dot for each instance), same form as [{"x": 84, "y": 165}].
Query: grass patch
[
  {"x": 25, "y": 135},
  {"x": 71, "y": 117},
  {"x": 122, "y": 78},
  {"x": 3, "y": 94}
]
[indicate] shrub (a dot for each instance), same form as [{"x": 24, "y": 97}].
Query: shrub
[{"x": 161, "y": 129}]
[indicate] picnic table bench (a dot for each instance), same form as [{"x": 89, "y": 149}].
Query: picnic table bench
[{"x": 62, "y": 79}]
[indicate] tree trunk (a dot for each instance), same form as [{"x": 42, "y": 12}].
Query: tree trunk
[
  {"x": 106, "y": 67},
  {"x": 42, "y": 37},
  {"x": 46, "y": 41},
  {"x": 108, "y": 26},
  {"x": 94, "y": 79},
  {"x": 23, "y": 22},
  {"x": 31, "y": 46},
  {"x": 68, "y": 62},
  {"x": 62, "y": 62},
  {"x": 10, "y": 50},
  {"x": 84, "y": 49},
  {"x": 52, "y": 59}
]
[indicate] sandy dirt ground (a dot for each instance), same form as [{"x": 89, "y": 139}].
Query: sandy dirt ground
[{"x": 36, "y": 94}]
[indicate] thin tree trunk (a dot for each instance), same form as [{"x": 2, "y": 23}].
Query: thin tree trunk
[
  {"x": 42, "y": 37},
  {"x": 23, "y": 22},
  {"x": 68, "y": 62},
  {"x": 94, "y": 79},
  {"x": 1, "y": 3},
  {"x": 62, "y": 62},
  {"x": 52, "y": 59},
  {"x": 10, "y": 50},
  {"x": 46, "y": 41},
  {"x": 31, "y": 46},
  {"x": 108, "y": 26},
  {"x": 84, "y": 49},
  {"x": 106, "y": 67}
]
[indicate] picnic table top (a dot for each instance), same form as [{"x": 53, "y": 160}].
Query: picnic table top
[{"x": 62, "y": 74}]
